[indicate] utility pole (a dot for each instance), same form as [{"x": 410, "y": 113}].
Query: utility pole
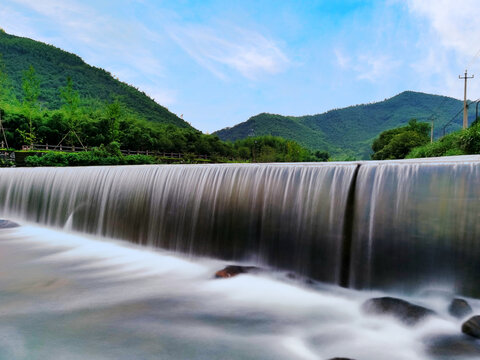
[
  {"x": 431, "y": 130},
  {"x": 476, "y": 112},
  {"x": 465, "y": 106}
]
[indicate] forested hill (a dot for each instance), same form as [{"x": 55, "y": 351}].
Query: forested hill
[
  {"x": 349, "y": 132},
  {"x": 54, "y": 65}
]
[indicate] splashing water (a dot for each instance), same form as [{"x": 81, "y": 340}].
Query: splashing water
[
  {"x": 66, "y": 296},
  {"x": 382, "y": 225}
]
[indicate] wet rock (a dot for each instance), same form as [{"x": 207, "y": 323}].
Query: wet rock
[
  {"x": 234, "y": 270},
  {"x": 409, "y": 314},
  {"x": 292, "y": 276},
  {"x": 459, "y": 308},
  {"x": 7, "y": 224},
  {"x": 453, "y": 346},
  {"x": 299, "y": 278},
  {"x": 472, "y": 327}
]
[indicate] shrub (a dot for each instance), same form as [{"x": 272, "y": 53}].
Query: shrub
[{"x": 86, "y": 158}]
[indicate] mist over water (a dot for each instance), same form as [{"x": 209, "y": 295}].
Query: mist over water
[
  {"x": 366, "y": 225},
  {"x": 69, "y": 297},
  {"x": 417, "y": 224},
  {"x": 75, "y": 290}
]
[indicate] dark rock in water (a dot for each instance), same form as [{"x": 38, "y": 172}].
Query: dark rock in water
[
  {"x": 459, "y": 308},
  {"x": 299, "y": 278},
  {"x": 7, "y": 224},
  {"x": 234, "y": 270},
  {"x": 453, "y": 346},
  {"x": 472, "y": 327},
  {"x": 406, "y": 312},
  {"x": 292, "y": 276}
]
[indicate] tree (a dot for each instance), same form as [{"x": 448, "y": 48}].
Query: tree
[
  {"x": 322, "y": 155},
  {"x": 6, "y": 92},
  {"x": 113, "y": 113},
  {"x": 397, "y": 143},
  {"x": 71, "y": 101},
  {"x": 31, "y": 92}
]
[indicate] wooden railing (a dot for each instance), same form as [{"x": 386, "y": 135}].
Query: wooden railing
[
  {"x": 63, "y": 148},
  {"x": 67, "y": 148}
]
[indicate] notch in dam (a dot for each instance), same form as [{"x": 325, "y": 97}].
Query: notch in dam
[{"x": 363, "y": 225}]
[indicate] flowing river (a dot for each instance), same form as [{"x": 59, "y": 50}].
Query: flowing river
[{"x": 71, "y": 287}]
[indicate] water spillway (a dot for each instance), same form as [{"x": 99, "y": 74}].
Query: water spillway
[
  {"x": 417, "y": 222},
  {"x": 364, "y": 225}
]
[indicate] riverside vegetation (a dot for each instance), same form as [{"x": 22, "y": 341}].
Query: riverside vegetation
[
  {"x": 413, "y": 141},
  {"x": 62, "y": 98},
  {"x": 348, "y": 133},
  {"x": 47, "y": 94}
]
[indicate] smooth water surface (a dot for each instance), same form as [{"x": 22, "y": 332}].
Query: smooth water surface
[{"x": 65, "y": 296}]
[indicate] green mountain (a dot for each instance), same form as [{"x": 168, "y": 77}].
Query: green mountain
[
  {"x": 349, "y": 132},
  {"x": 54, "y": 65}
]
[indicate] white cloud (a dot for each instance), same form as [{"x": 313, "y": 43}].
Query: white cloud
[
  {"x": 13, "y": 22},
  {"x": 162, "y": 96},
  {"x": 450, "y": 44},
  {"x": 124, "y": 47},
  {"x": 374, "y": 67},
  {"x": 453, "y": 21},
  {"x": 342, "y": 60},
  {"x": 247, "y": 52},
  {"x": 370, "y": 67}
]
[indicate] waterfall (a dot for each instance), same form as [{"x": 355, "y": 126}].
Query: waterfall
[
  {"x": 365, "y": 224},
  {"x": 286, "y": 216},
  {"x": 417, "y": 222}
]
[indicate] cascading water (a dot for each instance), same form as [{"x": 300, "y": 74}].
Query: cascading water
[
  {"x": 287, "y": 216},
  {"x": 391, "y": 225},
  {"x": 417, "y": 224},
  {"x": 359, "y": 224}
]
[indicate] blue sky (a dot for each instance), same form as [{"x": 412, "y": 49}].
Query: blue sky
[{"x": 218, "y": 62}]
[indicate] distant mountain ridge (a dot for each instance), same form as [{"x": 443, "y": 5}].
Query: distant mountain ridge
[
  {"x": 54, "y": 65},
  {"x": 349, "y": 132}
]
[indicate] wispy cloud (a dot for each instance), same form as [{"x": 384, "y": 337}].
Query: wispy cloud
[
  {"x": 124, "y": 45},
  {"x": 450, "y": 44},
  {"x": 369, "y": 67},
  {"x": 165, "y": 97},
  {"x": 342, "y": 60},
  {"x": 376, "y": 66},
  {"x": 14, "y": 21},
  {"x": 453, "y": 22},
  {"x": 222, "y": 50}
]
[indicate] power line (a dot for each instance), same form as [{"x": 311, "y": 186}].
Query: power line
[
  {"x": 473, "y": 58},
  {"x": 449, "y": 122},
  {"x": 465, "y": 105}
]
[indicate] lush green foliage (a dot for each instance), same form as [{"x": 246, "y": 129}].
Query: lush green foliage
[
  {"x": 275, "y": 149},
  {"x": 461, "y": 142},
  {"x": 53, "y": 66},
  {"x": 348, "y": 133},
  {"x": 101, "y": 125},
  {"x": 5, "y": 162},
  {"x": 52, "y": 97},
  {"x": 261, "y": 149},
  {"x": 87, "y": 158},
  {"x": 96, "y": 127},
  {"x": 397, "y": 143}
]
